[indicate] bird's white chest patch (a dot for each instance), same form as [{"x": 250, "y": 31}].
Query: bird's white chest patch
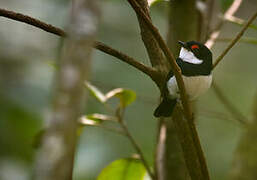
[
  {"x": 195, "y": 86},
  {"x": 189, "y": 57}
]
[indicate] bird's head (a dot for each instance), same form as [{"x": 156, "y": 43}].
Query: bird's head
[{"x": 195, "y": 52}]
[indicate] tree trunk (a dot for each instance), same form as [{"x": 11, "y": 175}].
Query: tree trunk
[{"x": 56, "y": 157}]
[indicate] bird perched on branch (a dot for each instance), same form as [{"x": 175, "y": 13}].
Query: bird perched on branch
[{"x": 195, "y": 62}]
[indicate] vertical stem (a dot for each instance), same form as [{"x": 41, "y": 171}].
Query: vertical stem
[{"x": 120, "y": 114}]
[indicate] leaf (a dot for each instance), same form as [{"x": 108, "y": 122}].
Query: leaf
[
  {"x": 52, "y": 64},
  {"x": 124, "y": 169},
  {"x": 96, "y": 92},
  {"x": 152, "y": 2},
  {"x": 95, "y": 119},
  {"x": 126, "y": 96}
]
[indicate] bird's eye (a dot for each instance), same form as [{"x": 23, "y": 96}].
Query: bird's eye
[{"x": 194, "y": 46}]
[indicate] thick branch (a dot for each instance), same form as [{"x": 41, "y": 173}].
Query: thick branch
[
  {"x": 154, "y": 52},
  {"x": 168, "y": 55},
  {"x": 235, "y": 40},
  {"x": 203, "y": 172},
  {"x": 170, "y": 147}
]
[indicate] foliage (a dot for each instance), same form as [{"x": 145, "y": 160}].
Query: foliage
[{"x": 124, "y": 169}]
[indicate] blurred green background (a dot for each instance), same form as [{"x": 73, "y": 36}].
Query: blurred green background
[{"x": 26, "y": 74}]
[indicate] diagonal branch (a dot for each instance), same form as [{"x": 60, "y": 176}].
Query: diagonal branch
[
  {"x": 98, "y": 45},
  {"x": 230, "y": 12},
  {"x": 120, "y": 116},
  {"x": 235, "y": 40},
  {"x": 154, "y": 52},
  {"x": 129, "y": 60},
  {"x": 32, "y": 21}
]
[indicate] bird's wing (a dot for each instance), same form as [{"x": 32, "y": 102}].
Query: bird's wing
[
  {"x": 171, "y": 74},
  {"x": 189, "y": 69}
]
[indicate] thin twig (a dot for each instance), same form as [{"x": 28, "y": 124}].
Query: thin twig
[
  {"x": 98, "y": 45},
  {"x": 243, "y": 40},
  {"x": 215, "y": 33},
  {"x": 120, "y": 115},
  {"x": 219, "y": 115},
  {"x": 235, "y": 40},
  {"x": 32, "y": 21},
  {"x": 239, "y": 21},
  {"x": 232, "y": 109}
]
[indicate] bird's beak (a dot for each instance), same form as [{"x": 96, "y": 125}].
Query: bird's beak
[{"x": 183, "y": 44}]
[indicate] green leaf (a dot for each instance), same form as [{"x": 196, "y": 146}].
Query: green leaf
[
  {"x": 52, "y": 64},
  {"x": 126, "y": 96},
  {"x": 124, "y": 169},
  {"x": 151, "y": 2},
  {"x": 95, "y": 119},
  {"x": 96, "y": 92}
]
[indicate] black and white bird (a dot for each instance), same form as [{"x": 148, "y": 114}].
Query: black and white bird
[{"x": 195, "y": 61}]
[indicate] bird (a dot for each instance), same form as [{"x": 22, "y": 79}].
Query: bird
[{"x": 195, "y": 62}]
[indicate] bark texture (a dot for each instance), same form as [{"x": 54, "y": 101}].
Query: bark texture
[{"x": 183, "y": 25}]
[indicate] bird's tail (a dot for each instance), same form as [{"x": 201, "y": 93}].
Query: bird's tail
[{"x": 166, "y": 107}]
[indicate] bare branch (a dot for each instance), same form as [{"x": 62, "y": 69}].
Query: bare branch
[
  {"x": 98, "y": 45},
  {"x": 129, "y": 60},
  {"x": 185, "y": 137},
  {"x": 243, "y": 40},
  {"x": 32, "y": 21},
  {"x": 168, "y": 55},
  {"x": 230, "y": 12},
  {"x": 154, "y": 52},
  {"x": 120, "y": 115},
  {"x": 235, "y": 40}
]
